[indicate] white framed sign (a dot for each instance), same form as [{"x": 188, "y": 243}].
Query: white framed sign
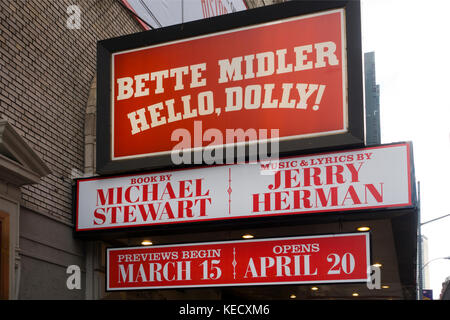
[{"x": 359, "y": 179}]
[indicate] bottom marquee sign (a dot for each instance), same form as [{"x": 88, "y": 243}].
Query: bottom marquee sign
[{"x": 295, "y": 260}]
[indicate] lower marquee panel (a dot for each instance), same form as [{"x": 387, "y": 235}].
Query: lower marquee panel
[{"x": 294, "y": 260}]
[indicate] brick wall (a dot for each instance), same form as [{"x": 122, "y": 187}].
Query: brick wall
[{"x": 46, "y": 72}]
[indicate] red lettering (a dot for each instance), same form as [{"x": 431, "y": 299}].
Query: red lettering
[
  {"x": 203, "y": 205},
  {"x": 146, "y": 192},
  {"x": 119, "y": 195},
  {"x": 332, "y": 195},
  {"x": 304, "y": 199},
  {"x": 353, "y": 171},
  {"x": 128, "y": 194},
  {"x": 279, "y": 200},
  {"x": 277, "y": 181},
  {"x": 256, "y": 202},
  {"x": 168, "y": 211},
  {"x": 198, "y": 189},
  {"x": 103, "y": 198},
  {"x": 185, "y": 188},
  {"x": 377, "y": 195},
  {"x": 187, "y": 208},
  {"x": 337, "y": 174},
  {"x": 289, "y": 177},
  {"x": 128, "y": 212},
  {"x": 315, "y": 176},
  {"x": 353, "y": 195},
  {"x": 168, "y": 190},
  {"x": 151, "y": 209},
  {"x": 113, "y": 211},
  {"x": 99, "y": 214}
]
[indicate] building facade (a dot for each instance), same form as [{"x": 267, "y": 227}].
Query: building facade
[
  {"x": 47, "y": 67},
  {"x": 372, "y": 98},
  {"x": 48, "y": 139}
]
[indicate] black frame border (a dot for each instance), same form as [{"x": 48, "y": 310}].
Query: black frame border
[{"x": 354, "y": 137}]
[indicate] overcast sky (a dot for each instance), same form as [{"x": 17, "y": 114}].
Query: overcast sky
[{"x": 412, "y": 54}]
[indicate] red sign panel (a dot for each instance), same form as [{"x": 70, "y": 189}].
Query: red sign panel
[
  {"x": 296, "y": 260},
  {"x": 288, "y": 75}
]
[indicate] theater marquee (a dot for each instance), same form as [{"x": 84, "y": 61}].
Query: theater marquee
[
  {"x": 359, "y": 179},
  {"x": 336, "y": 258},
  {"x": 294, "y": 75}
]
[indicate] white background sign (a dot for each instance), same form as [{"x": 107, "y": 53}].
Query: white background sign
[{"x": 377, "y": 177}]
